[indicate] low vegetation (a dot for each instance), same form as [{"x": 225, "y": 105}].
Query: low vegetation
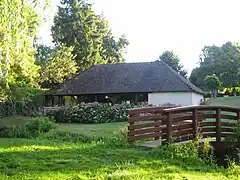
[
  {"x": 91, "y": 113},
  {"x": 98, "y": 151}
]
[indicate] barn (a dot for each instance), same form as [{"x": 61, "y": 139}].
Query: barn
[{"x": 153, "y": 82}]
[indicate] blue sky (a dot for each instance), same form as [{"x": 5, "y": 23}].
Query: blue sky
[{"x": 184, "y": 26}]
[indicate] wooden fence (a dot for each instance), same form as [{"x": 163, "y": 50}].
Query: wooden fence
[{"x": 182, "y": 123}]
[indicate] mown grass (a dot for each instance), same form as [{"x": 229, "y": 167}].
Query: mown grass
[
  {"x": 96, "y": 130},
  {"x": 43, "y": 159},
  {"x": 230, "y": 101}
]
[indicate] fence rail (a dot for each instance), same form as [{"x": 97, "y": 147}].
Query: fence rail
[{"x": 182, "y": 123}]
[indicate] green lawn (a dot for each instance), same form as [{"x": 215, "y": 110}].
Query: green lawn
[
  {"x": 43, "y": 159},
  {"x": 96, "y": 130},
  {"x": 14, "y": 120},
  {"x": 230, "y": 101}
]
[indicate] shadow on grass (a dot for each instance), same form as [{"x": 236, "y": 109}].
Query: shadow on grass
[{"x": 92, "y": 159}]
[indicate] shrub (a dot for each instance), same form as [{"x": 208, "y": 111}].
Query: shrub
[
  {"x": 33, "y": 128},
  {"x": 91, "y": 113}
]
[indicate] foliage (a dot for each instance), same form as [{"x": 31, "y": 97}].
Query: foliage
[
  {"x": 60, "y": 67},
  {"x": 30, "y": 107},
  {"x": 44, "y": 54},
  {"x": 77, "y": 25},
  {"x": 32, "y": 128},
  {"x": 173, "y": 61},
  {"x": 19, "y": 23},
  {"x": 212, "y": 83},
  {"x": 91, "y": 113},
  {"x": 224, "y": 61},
  {"x": 233, "y": 140}
]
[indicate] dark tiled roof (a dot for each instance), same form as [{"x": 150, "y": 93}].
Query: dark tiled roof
[{"x": 126, "y": 78}]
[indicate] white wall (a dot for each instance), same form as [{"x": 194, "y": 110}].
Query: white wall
[
  {"x": 177, "y": 98},
  {"x": 196, "y": 98}
]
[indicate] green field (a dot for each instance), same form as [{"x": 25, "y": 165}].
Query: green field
[
  {"x": 230, "y": 101},
  {"x": 44, "y": 159}
]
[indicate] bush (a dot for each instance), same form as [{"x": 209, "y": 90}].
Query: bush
[
  {"x": 91, "y": 113},
  {"x": 24, "y": 108},
  {"x": 31, "y": 129}
]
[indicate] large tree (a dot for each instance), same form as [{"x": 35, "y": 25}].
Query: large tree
[
  {"x": 18, "y": 27},
  {"x": 59, "y": 67},
  {"x": 77, "y": 25},
  {"x": 224, "y": 61},
  {"x": 173, "y": 61}
]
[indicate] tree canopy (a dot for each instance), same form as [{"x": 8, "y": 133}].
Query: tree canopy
[
  {"x": 212, "y": 83},
  {"x": 59, "y": 67},
  {"x": 173, "y": 61},
  {"x": 19, "y": 23},
  {"x": 223, "y": 61},
  {"x": 77, "y": 25}
]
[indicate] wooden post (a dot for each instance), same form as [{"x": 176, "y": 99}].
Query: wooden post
[
  {"x": 131, "y": 123},
  {"x": 157, "y": 126},
  {"x": 218, "y": 130},
  {"x": 195, "y": 123},
  {"x": 52, "y": 101},
  {"x": 238, "y": 116},
  {"x": 169, "y": 127}
]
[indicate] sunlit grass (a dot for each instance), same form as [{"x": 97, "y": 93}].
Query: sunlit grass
[{"x": 43, "y": 159}]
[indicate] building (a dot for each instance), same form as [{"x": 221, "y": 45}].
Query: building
[{"x": 152, "y": 82}]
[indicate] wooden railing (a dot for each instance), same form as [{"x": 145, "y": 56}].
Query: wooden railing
[{"x": 182, "y": 123}]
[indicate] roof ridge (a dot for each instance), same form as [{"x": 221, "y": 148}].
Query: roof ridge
[{"x": 184, "y": 80}]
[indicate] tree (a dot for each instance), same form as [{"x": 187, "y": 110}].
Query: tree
[
  {"x": 19, "y": 22},
  {"x": 173, "y": 61},
  {"x": 224, "y": 61},
  {"x": 77, "y": 25},
  {"x": 44, "y": 53},
  {"x": 212, "y": 83},
  {"x": 59, "y": 67}
]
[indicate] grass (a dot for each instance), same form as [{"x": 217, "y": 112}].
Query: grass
[
  {"x": 96, "y": 130},
  {"x": 55, "y": 159},
  {"x": 14, "y": 120},
  {"x": 230, "y": 101},
  {"x": 43, "y": 159}
]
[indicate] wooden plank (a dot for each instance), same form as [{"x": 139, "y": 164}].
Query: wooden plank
[
  {"x": 224, "y": 129},
  {"x": 230, "y": 117},
  {"x": 205, "y": 124},
  {"x": 209, "y": 129},
  {"x": 158, "y": 130},
  {"x": 206, "y": 135},
  {"x": 145, "y": 136},
  {"x": 144, "y": 131},
  {"x": 181, "y": 117},
  {"x": 144, "y": 125},
  {"x": 182, "y": 133},
  {"x": 182, "y": 126},
  {"x": 226, "y": 134},
  {"x": 228, "y": 124},
  {"x": 202, "y": 108},
  {"x": 148, "y": 117},
  {"x": 184, "y": 138}
]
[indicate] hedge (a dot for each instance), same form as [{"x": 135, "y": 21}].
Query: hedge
[{"x": 91, "y": 113}]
